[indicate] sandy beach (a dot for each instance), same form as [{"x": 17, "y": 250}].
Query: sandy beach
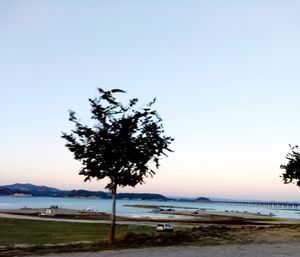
[{"x": 188, "y": 218}]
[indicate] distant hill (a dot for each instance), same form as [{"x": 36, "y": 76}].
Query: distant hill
[
  {"x": 202, "y": 200},
  {"x": 29, "y": 189},
  {"x": 86, "y": 193},
  {"x": 44, "y": 191},
  {"x": 143, "y": 196}
]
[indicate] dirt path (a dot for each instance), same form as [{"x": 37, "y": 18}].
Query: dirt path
[{"x": 251, "y": 250}]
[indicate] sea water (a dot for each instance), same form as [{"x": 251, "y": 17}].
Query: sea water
[{"x": 104, "y": 205}]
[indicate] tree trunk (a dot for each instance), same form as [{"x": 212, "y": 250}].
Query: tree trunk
[{"x": 113, "y": 216}]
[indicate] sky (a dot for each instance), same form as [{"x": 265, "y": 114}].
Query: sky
[{"x": 225, "y": 74}]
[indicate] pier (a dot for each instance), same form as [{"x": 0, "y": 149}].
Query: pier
[{"x": 270, "y": 205}]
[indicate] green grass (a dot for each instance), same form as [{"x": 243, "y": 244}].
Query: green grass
[
  {"x": 18, "y": 231},
  {"x": 39, "y": 233}
]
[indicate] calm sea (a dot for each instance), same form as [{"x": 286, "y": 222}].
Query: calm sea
[{"x": 105, "y": 206}]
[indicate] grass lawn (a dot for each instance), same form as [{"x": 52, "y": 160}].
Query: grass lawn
[
  {"x": 42, "y": 232},
  {"x": 18, "y": 231}
]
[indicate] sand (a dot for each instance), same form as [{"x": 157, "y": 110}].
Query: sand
[
  {"x": 186, "y": 218},
  {"x": 251, "y": 250}
]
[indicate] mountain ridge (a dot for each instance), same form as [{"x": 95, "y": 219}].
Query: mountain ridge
[{"x": 28, "y": 189}]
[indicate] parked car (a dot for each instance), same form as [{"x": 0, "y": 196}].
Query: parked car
[{"x": 164, "y": 227}]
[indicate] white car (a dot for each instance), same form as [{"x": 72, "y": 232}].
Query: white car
[{"x": 164, "y": 227}]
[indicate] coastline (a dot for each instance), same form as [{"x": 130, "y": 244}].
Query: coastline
[
  {"x": 180, "y": 217},
  {"x": 138, "y": 207}
]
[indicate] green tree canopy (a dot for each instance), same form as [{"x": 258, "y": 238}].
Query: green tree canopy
[
  {"x": 122, "y": 145},
  {"x": 292, "y": 168}
]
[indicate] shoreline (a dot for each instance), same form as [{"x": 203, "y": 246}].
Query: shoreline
[
  {"x": 181, "y": 217},
  {"x": 133, "y": 207}
]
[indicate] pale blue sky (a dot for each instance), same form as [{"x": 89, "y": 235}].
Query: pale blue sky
[{"x": 226, "y": 75}]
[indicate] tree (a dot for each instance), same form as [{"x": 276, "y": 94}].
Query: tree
[
  {"x": 124, "y": 144},
  {"x": 292, "y": 168}
]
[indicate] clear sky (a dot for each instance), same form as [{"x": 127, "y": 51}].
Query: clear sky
[{"x": 226, "y": 75}]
